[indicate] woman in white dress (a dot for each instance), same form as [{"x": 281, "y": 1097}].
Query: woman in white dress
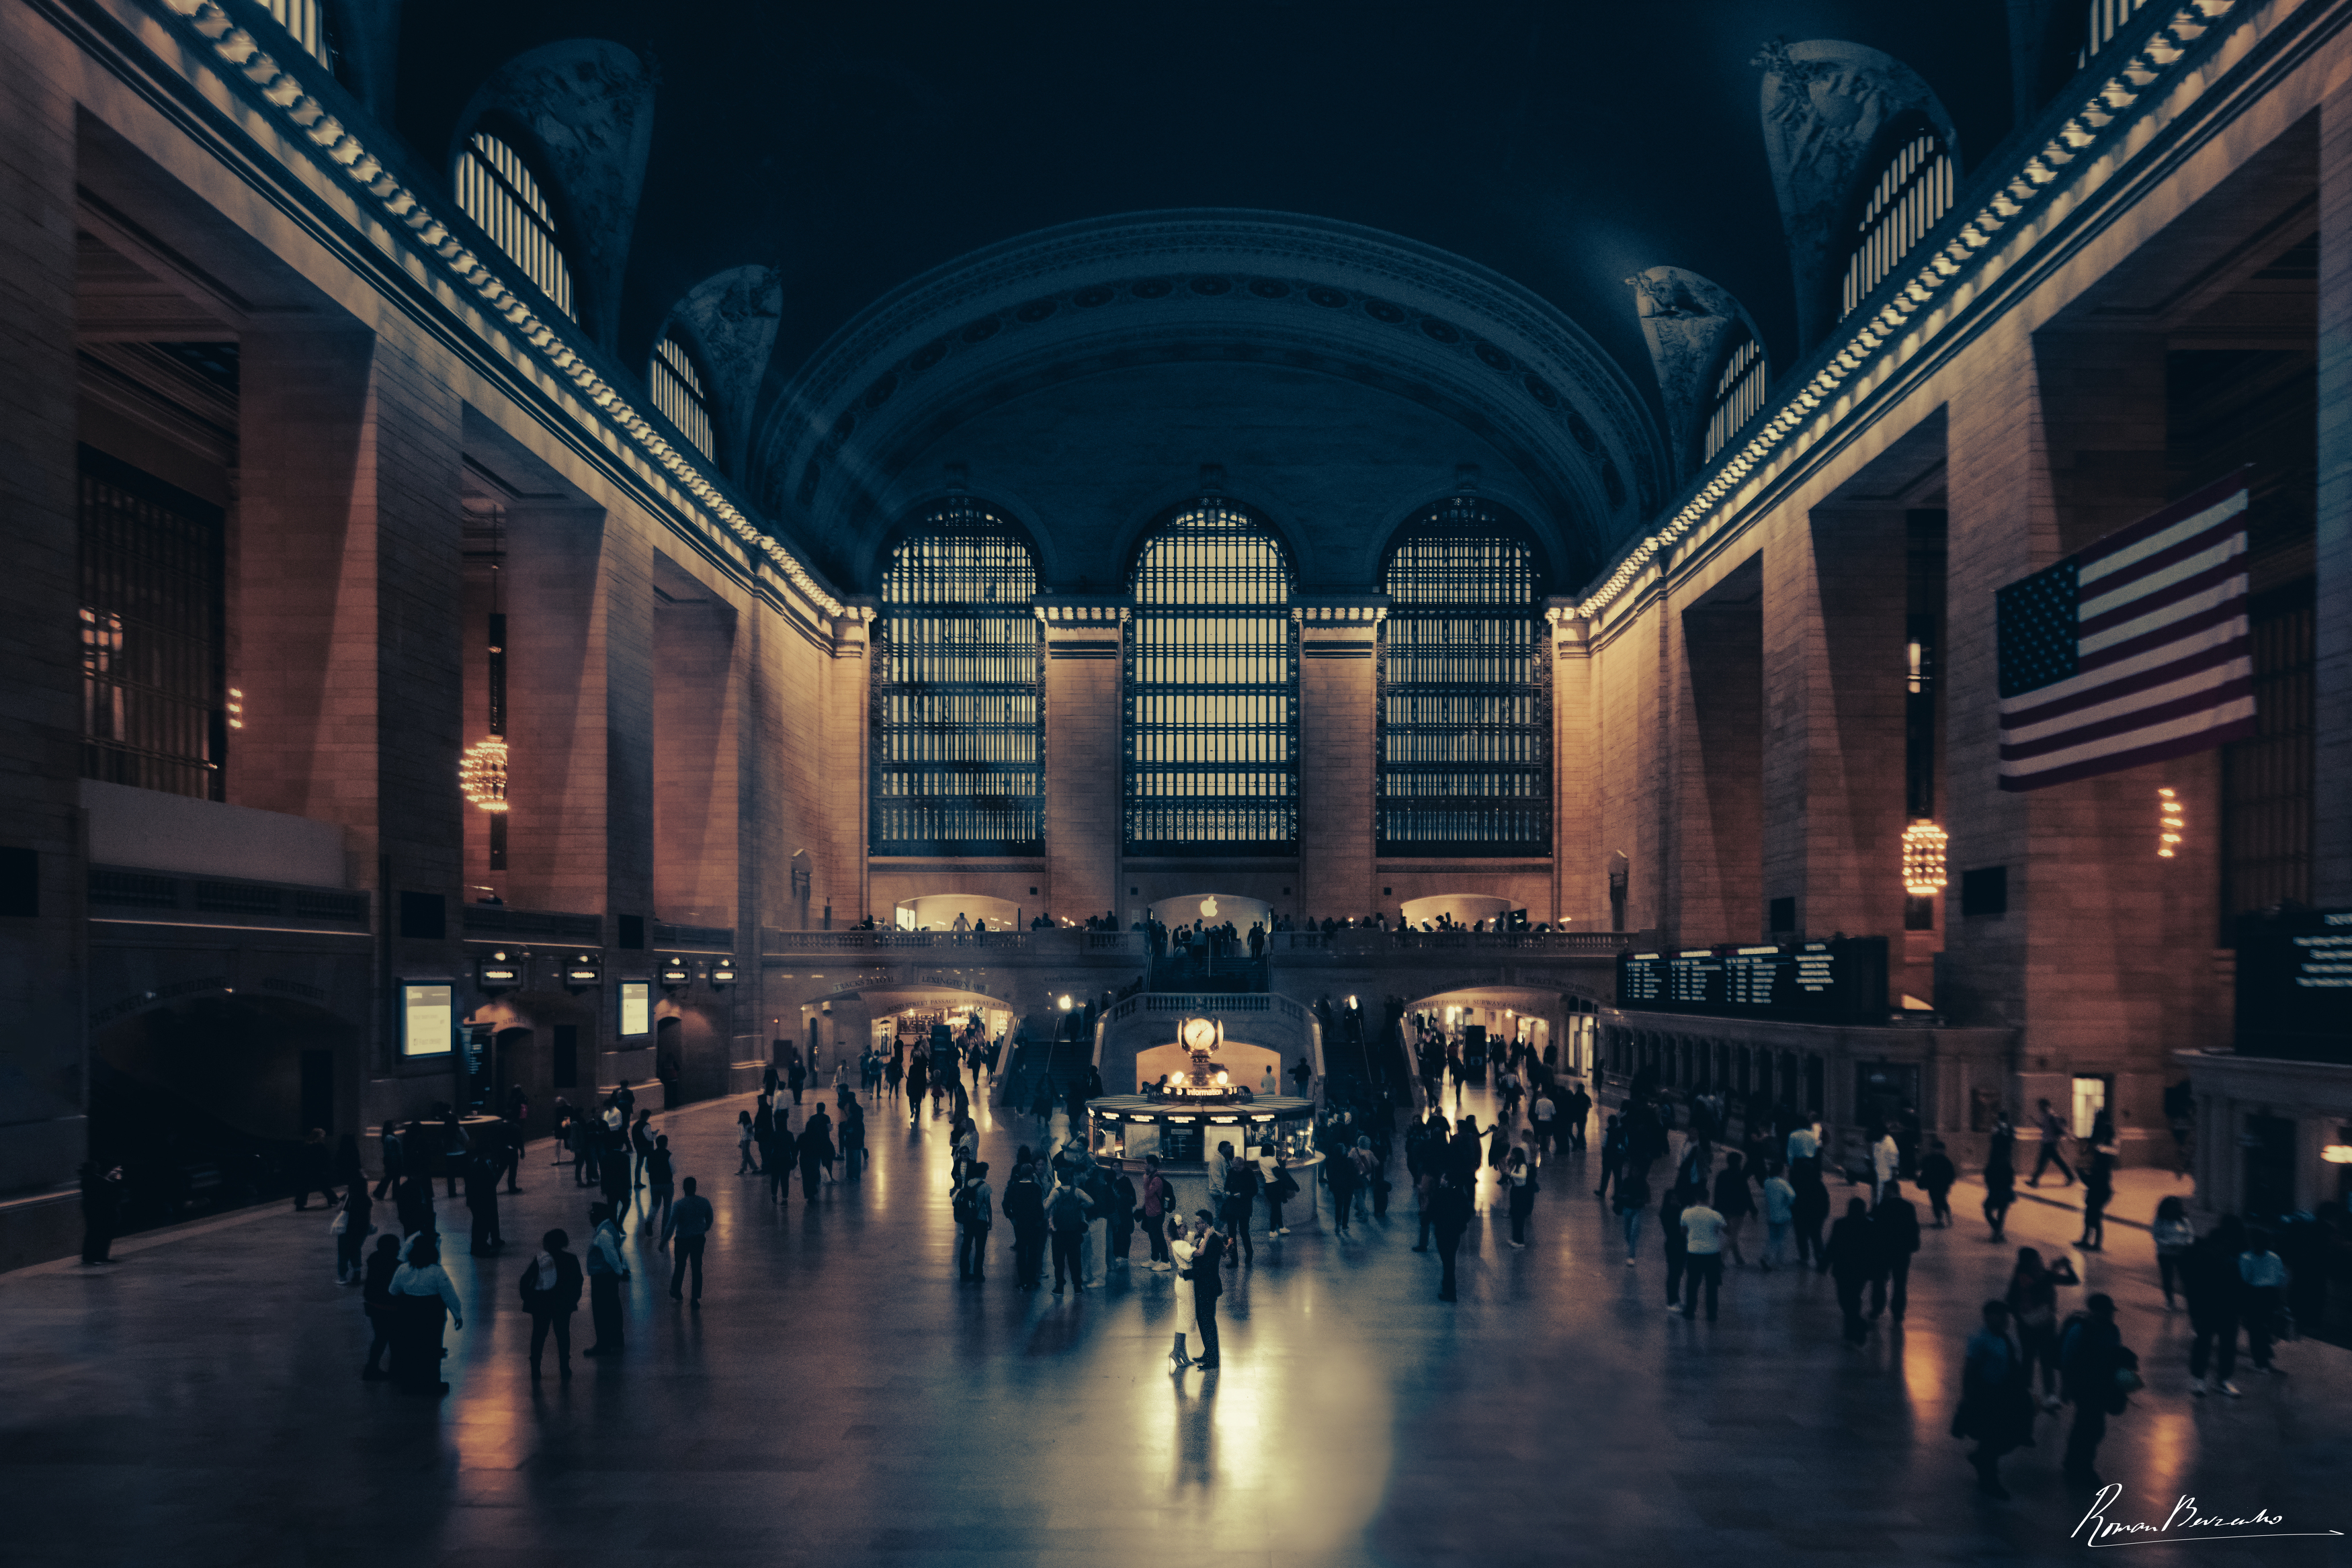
[{"x": 1181, "y": 1244}]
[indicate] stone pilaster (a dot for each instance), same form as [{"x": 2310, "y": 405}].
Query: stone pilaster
[
  {"x": 1338, "y": 693},
  {"x": 1085, "y": 782}
]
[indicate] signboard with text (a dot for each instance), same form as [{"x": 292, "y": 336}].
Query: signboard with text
[
  {"x": 2295, "y": 984},
  {"x": 1840, "y": 980}
]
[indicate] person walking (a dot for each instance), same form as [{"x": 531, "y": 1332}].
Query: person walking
[
  {"x": 391, "y": 1153},
  {"x": 1671, "y": 1204},
  {"x": 612, "y": 1172},
  {"x": 1024, "y": 1209},
  {"x": 1118, "y": 1215},
  {"x": 2053, "y": 1138},
  {"x": 1452, "y": 1218},
  {"x": 2098, "y": 1191},
  {"x": 973, "y": 1217},
  {"x": 2174, "y": 1237},
  {"x": 661, "y": 1168},
  {"x": 1542, "y": 1114},
  {"x": 1894, "y": 1225},
  {"x": 353, "y": 1225},
  {"x": 581, "y": 1136},
  {"x": 1520, "y": 1178},
  {"x": 551, "y": 1293},
  {"x": 1937, "y": 1174},
  {"x": 815, "y": 1150},
  {"x": 1208, "y": 1284},
  {"x": 482, "y": 1171},
  {"x": 2211, "y": 1283},
  {"x": 102, "y": 1208},
  {"x": 1067, "y": 1213},
  {"x": 1705, "y": 1231},
  {"x": 1735, "y": 1202},
  {"x": 346, "y": 1171},
  {"x": 852, "y": 1136},
  {"x": 1886, "y": 1160},
  {"x": 606, "y": 1271},
  {"x": 2032, "y": 1300},
  {"x": 1779, "y": 1207},
  {"x": 421, "y": 1291},
  {"x": 1579, "y": 1112},
  {"x": 381, "y": 1310},
  {"x": 1809, "y": 1210},
  {"x": 2090, "y": 1356},
  {"x": 1996, "y": 1398},
  {"x": 689, "y": 1224},
  {"x": 1240, "y": 1205},
  {"x": 1850, "y": 1259},
  {"x": 2262, "y": 1300},
  {"x": 918, "y": 1080},
  {"x": 1339, "y": 1175},
  {"x": 1155, "y": 1196},
  {"x": 2001, "y": 1191},
  {"x": 1280, "y": 1188},
  {"x": 1632, "y": 1197},
  {"x": 746, "y": 1138},
  {"x": 1614, "y": 1138},
  {"x": 795, "y": 1074}
]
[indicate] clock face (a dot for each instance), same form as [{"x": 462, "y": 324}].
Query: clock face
[
  {"x": 1209, "y": 908},
  {"x": 1200, "y": 1034}
]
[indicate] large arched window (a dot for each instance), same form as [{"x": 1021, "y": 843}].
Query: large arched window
[
  {"x": 1913, "y": 193},
  {"x": 1211, "y": 690},
  {"x": 1466, "y": 691},
  {"x": 502, "y": 194},
  {"x": 679, "y": 394},
  {"x": 959, "y": 760},
  {"x": 1738, "y": 394}
]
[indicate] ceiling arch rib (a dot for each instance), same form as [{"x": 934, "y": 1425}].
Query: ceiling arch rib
[{"x": 1300, "y": 294}]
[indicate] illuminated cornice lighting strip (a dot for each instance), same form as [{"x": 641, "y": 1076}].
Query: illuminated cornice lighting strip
[
  {"x": 305, "y": 119},
  {"x": 2165, "y": 47}
]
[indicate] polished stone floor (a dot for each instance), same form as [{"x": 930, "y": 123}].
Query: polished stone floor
[{"x": 841, "y": 1399}]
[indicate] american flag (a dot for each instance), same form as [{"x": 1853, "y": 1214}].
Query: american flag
[{"x": 2132, "y": 651}]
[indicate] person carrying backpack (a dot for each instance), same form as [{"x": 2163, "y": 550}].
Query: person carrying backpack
[
  {"x": 1067, "y": 1214},
  {"x": 2099, "y": 1371},
  {"x": 551, "y": 1285}
]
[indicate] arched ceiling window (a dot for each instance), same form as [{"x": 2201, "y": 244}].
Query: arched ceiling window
[
  {"x": 680, "y": 392},
  {"x": 1738, "y": 394},
  {"x": 1211, "y": 690},
  {"x": 1466, "y": 690},
  {"x": 958, "y": 760},
  {"x": 1911, "y": 195},
  {"x": 502, "y": 196}
]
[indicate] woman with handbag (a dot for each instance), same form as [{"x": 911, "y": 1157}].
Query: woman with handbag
[{"x": 1280, "y": 1188}]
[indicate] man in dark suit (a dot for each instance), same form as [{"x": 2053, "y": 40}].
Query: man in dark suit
[
  {"x": 1208, "y": 1284},
  {"x": 551, "y": 1294}
]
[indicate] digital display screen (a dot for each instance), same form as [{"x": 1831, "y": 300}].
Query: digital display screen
[
  {"x": 2295, "y": 984},
  {"x": 429, "y": 1018},
  {"x": 1841, "y": 981},
  {"x": 636, "y": 1008}
]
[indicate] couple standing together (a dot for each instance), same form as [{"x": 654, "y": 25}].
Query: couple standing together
[{"x": 1199, "y": 1253}]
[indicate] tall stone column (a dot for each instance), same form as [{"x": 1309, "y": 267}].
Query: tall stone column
[
  {"x": 1084, "y": 789},
  {"x": 1338, "y": 693},
  {"x": 846, "y": 787},
  {"x": 1580, "y": 880}
]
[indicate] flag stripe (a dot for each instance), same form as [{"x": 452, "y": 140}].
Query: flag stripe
[
  {"x": 2117, "y": 551},
  {"x": 2026, "y": 723},
  {"x": 2137, "y": 608},
  {"x": 2197, "y": 721},
  {"x": 2201, "y": 690},
  {"x": 2173, "y": 609},
  {"x": 2210, "y": 629},
  {"x": 2230, "y": 727},
  {"x": 2214, "y": 495},
  {"x": 2198, "y": 556}
]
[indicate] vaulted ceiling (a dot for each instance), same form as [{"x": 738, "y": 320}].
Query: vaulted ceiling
[{"x": 815, "y": 158}]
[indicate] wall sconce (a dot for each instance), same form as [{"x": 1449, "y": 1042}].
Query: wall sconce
[
  {"x": 498, "y": 972},
  {"x": 723, "y": 973},
  {"x": 673, "y": 976},
  {"x": 2337, "y": 1154},
  {"x": 1923, "y": 859},
  {"x": 236, "y": 707},
  {"x": 2171, "y": 817},
  {"x": 582, "y": 973}
]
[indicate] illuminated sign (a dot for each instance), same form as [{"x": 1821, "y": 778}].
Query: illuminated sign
[
  {"x": 676, "y": 975},
  {"x": 636, "y": 1008},
  {"x": 498, "y": 972},
  {"x": 1818, "y": 982},
  {"x": 429, "y": 1018},
  {"x": 722, "y": 974}
]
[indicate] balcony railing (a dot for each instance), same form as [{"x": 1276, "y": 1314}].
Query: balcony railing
[
  {"x": 1358, "y": 940},
  {"x": 122, "y": 893},
  {"x": 1056, "y": 944},
  {"x": 496, "y": 920}
]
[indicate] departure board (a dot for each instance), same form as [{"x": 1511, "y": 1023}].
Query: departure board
[
  {"x": 2295, "y": 984},
  {"x": 1841, "y": 980}
]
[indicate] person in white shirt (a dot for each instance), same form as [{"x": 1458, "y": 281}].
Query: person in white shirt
[
  {"x": 421, "y": 1291},
  {"x": 1885, "y": 1159},
  {"x": 1779, "y": 1207},
  {"x": 1703, "y": 1228},
  {"x": 1804, "y": 1143},
  {"x": 605, "y": 1272},
  {"x": 1541, "y": 1117}
]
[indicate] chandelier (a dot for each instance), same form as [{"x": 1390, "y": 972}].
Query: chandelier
[
  {"x": 1923, "y": 859},
  {"x": 482, "y": 774}
]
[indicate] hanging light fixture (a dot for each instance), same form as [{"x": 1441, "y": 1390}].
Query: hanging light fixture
[
  {"x": 2171, "y": 817},
  {"x": 1923, "y": 859},
  {"x": 482, "y": 774}
]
